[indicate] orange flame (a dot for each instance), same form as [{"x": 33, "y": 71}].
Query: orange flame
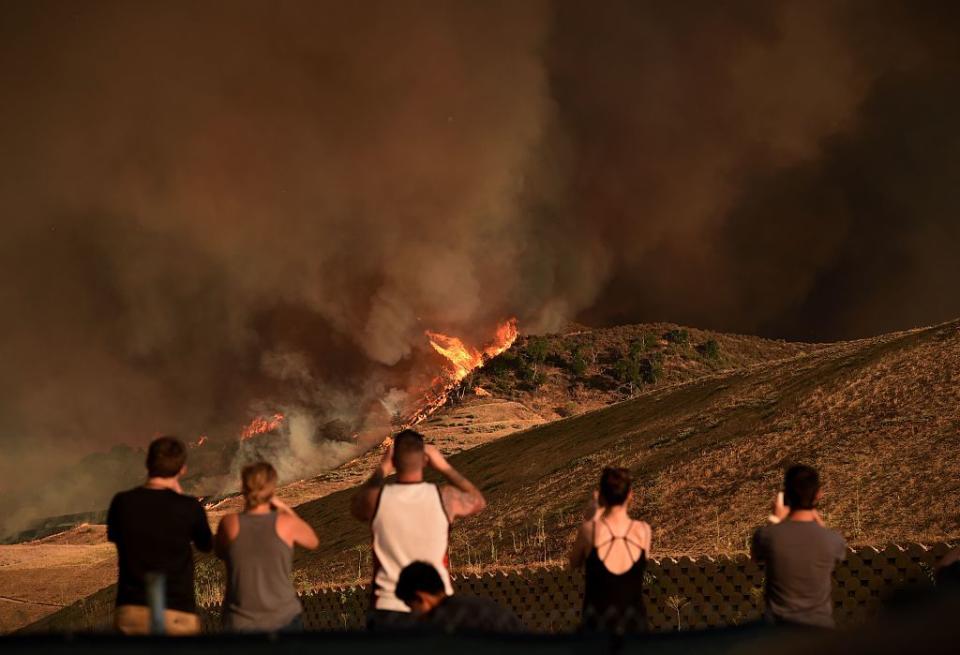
[
  {"x": 504, "y": 337},
  {"x": 260, "y": 425},
  {"x": 202, "y": 439},
  {"x": 464, "y": 358}
]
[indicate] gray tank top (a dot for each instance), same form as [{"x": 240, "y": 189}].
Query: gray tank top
[{"x": 260, "y": 594}]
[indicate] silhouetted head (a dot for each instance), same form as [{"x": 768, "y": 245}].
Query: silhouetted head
[
  {"x": 166, "y": 458},
  {"x": 614, "y": 486},
  {"x": 801, "y": 487},
  {"x": 420, "y": 587},
  {"x": 258, "y": 481},
  {"x": 408, "y": 454}
]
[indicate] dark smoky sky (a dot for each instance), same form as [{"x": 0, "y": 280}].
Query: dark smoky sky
[{"x": 211, "y": 208}]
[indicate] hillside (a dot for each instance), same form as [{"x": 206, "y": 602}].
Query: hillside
[
  {"x": 707, "y": 440},
  {"x": 560, "y": 375},
  {"x": 878, "y": 416}
]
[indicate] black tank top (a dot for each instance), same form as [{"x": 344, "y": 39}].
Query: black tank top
[{"x": 614, "y": 601}]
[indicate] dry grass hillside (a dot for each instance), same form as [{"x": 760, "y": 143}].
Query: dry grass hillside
[
  {"x": 561, "y": 375},
  {"x": 707, "y": 436},
  {"x": 880, "y": 418}
]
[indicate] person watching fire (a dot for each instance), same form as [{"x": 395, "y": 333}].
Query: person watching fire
[
  {"x": 613, "y": 550},
  {"x": 257, "y": 546},
  {"x": 153, "y": 526},
  {"x": 799, "y": 554},
  {"x": 410, "y": 520}
]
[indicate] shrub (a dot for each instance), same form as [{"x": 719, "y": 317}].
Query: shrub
[
  {"x": 578, "y": 362},
  {"x": 567, "y": 410},
  {"x": 627, "y": 371},
  {"x": 709, "y": 349},
  {"x": 531, "y": 375},
  {"x": 678, "y": 336},
  {"x": 651, "y": 370},
  {"x": 502, "y": 364},
  {"x": 537, "y": 349}
]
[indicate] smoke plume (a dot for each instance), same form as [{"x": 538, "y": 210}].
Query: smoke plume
[{"x": 212, "y": 210}]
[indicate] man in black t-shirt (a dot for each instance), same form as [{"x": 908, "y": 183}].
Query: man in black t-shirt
[
  {"x": 153, "y": 527},
  {"x": 420, "y": 587}
]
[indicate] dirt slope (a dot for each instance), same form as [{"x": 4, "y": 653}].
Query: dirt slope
[{"x": 40, "y": 577}]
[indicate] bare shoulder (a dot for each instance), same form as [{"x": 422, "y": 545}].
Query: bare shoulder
[
  {"x": 641, "y": 529},
  {"x": 286, "y": 527},
  {"x": 285, "y": 522}
]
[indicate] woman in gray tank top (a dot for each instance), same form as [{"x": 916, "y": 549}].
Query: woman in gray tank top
[{"x": 257, "y": 546}]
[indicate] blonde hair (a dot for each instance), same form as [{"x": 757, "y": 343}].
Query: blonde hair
[{"x": 259, "y": 482}]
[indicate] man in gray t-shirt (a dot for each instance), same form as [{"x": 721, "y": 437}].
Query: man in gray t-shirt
[{"x": 799, "y": 554}]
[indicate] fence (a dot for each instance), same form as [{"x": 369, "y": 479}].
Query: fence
[{"x": 681, "y": 593}]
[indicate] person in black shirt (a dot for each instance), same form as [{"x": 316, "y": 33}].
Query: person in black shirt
[
  {"x": 613, "y": 550},
  {"x": 420, "y": 587},
  {"x": 153, "y": 527}
]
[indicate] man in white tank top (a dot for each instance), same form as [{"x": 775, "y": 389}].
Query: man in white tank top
[{"x": 410, "y": 519}]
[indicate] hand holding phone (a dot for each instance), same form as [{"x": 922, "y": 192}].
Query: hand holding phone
[{"x": 779, "y": 510}]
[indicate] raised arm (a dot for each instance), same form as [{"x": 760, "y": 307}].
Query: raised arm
[
  {"x": 643, "y": 533},
  {"x": 363, "y": 505},
  {"x": 295, "y": 528},
  {"x": 461, "y": 497},
  {"x": 581, "y": 545}
]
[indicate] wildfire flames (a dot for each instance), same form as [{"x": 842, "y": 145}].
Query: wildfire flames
[
  {"x": 260, "y": 425},
  {"x": 462, "y": 359}
]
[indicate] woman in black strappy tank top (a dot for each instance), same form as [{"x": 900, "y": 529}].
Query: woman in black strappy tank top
[{"x": 613, "y": 550}]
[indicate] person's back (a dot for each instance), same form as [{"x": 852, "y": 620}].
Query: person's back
[
  {"x": 613, "y": 550},
  {"x": 259, "y": 595},
  {"x": 410, "y": 520},
  {"x": 410, "y": 524},
  {"x": 613, "y": 579},
  {"x": 153, "y": 527},
  {"x": 799, "y": 555},
  {"x": 257, "y": 546}
]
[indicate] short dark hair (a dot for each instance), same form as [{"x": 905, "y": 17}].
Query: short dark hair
[
  {"x": 407, "y": 444},
  {"x": 614, "y": 486},
  {"x": 418, "y": 576},
  {"x": 800, "y": 487},
  {"x": 165, "y": 457}
]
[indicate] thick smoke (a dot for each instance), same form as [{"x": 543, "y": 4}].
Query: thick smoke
[
  {"x": 215, "y": 209},
  {"x": 784, "y": 168}
]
